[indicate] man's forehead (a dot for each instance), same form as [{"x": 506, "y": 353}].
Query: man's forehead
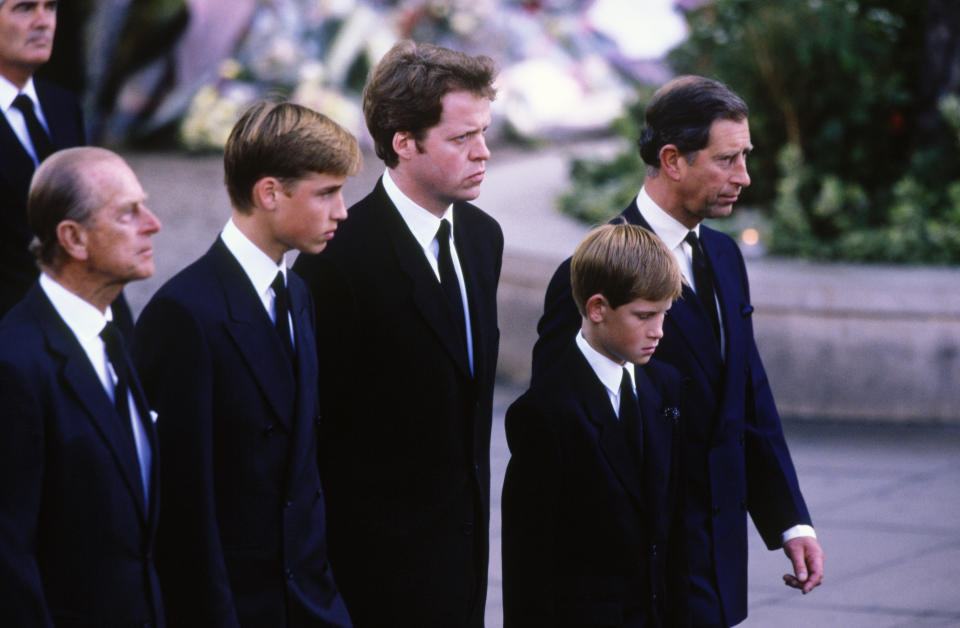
[{"x": 729, "y": 134}]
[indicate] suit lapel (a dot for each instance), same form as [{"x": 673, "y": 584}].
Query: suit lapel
[
  {"x": 79, "y": 377},
  {"x": 686, "y": 318},
  {"x": 426, "y": 292},
  {"x": 610, "y": 435},
  {"x": 254, "y": 334},
  {"x": 16, "y": 166},
  {"x": 472, "y": 262}
]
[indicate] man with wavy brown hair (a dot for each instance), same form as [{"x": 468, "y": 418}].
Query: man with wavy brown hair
[{"x": 408, "y": 379}]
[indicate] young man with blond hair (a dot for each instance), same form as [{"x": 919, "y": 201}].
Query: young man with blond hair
[{"x": 227, "y": 353}]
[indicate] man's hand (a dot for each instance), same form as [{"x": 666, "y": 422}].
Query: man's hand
[{"x": 807, "y": 558}]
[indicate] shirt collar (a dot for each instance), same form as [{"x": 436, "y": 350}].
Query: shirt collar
[
  {"x": 422, "y": 224},
  {"x": 667, "y": 228},
  {"x": 9, "y": 91},
  {"x": 255, "y": 263},
  {"x": 609, "y": 372},
  {"x": 82, "y": 317}
]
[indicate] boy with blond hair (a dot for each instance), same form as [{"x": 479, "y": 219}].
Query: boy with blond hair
[{"x": 592, "y": 511}]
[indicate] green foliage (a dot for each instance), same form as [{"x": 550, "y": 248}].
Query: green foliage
[{"x": 600, "y": 189}]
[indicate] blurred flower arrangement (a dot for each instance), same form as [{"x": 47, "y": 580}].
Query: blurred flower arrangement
[{"x": 557, "y": 72}]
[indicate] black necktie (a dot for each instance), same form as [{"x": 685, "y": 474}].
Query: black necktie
[
  {"x": 703, "y": 283},
  {"x": 38, "y": 136},
  {"x": 630, "y": 418},
  {"x": 281, "y": 308},
  {"x": 448, "y": 278}
]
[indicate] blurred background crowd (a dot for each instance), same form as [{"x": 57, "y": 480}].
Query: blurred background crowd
[{"x": 854, "y": 103}]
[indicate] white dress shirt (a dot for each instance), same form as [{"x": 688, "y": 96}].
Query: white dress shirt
[
  {"x": 8, "y": 93},
  {"x": 608, "y": 372},
  {"x": 423, "y": 225},
  {"x": 86, "y": 322},
  {"x": 259, "y": 268},
  {"x": 672, "y": 233}
]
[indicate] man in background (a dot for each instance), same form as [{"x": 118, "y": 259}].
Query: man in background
[{"x": 38, "y": 119}]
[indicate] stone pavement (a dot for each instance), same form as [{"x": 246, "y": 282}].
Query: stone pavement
[{"x": 885, "y": 498}]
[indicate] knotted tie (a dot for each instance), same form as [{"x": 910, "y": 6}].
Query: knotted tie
[
  {"x": 126, "y": 375},
  {"x": 38, "y": 136},
  {"x": 281, "y": 307},
  {"x": 630, "y": 419},
  {"x": 703, "y": 282}
]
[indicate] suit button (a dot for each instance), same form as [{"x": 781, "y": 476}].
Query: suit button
[
  {"x": 289, "y": 574},
  {"x": 288, "y": 504},
  {"x": 467, "y": 529},
  {"x": 743, "y": 505},
  {"x": 716, "y": 511},
  {"x": 319, "y": 493},
  {"x": 653, "y": 550},
  {"x": 653, "y": 596},
  {"x": 476, "y": 467},
  {"x": 741, "y": 440},
  {"x": 318, "y": 420},
  {"x": 268, "y": 430}
]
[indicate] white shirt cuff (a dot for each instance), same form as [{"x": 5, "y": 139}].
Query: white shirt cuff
[{"x": 798, "y": 530}]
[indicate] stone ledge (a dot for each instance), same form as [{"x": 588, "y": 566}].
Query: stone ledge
[{"x": 840, "y": 342}]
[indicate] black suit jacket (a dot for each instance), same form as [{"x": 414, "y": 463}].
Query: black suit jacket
[
  {"x": 76, "y": 535},
  {"x": 18, "y": 270},
  {"x": 737, "y": 457},
  {"x": 405, "y": 443},
  {"x": 591, "y": 538},
  {"x": 242, "y": 539}
]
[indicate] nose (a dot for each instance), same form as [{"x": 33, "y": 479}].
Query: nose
[
  {"x": 151, "y": 224},
  {"x": 740, "y": 176},
  {"x": 340, "y": 209},
  {"x": 480, "y": 151},
  {"x": 44, "y": 16},
  {"x": 656, "y": 330}
]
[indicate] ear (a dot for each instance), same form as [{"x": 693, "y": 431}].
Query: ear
[
  {"x": 404, "y": 144},
  {"x": 670, "y": 161},
  {"x": 265, "y": 192},
  {"x": 72, "y": 237},
  {"x": 596, "y": 308}
]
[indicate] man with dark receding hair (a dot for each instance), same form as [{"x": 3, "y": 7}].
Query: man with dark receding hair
[
  {"x": 78, "y": 456},
  {"x": 695, "y": 144}
]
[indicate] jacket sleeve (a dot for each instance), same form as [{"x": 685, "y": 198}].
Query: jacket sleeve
[
  {"x": 773, "y": 491},
  {"x": 22, "y": 601},
  {"x": 529, "y": 512},
  {"x": 174, "y": 361}
]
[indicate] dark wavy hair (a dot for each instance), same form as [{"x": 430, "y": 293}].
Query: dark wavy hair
[
  {"x": 681, "y": 113},
  {"x": 406, "y": 90}
]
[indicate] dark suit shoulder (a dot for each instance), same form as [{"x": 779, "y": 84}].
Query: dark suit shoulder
[
  {"x": 195, "y": 286},
  {"x": 21, "y": 336},
  {"x": 477, "y": 218}
]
